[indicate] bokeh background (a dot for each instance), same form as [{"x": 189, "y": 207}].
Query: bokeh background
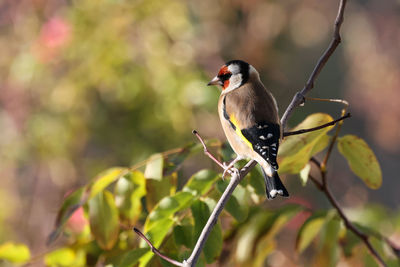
[{"x": 86, "y": 85}]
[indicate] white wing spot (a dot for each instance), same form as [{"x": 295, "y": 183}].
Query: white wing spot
[
  {"x": 264, "y": 147},
  {"x": 262, "y": 137},
  {"x": 263, "y": 153},
  {"x": 273, "y": 145},
  {"x": 268, "y": 136},
  {"x": 273, "y": 154}
]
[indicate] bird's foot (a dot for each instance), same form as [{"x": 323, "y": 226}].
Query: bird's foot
[{"x": 229, "y": 167}]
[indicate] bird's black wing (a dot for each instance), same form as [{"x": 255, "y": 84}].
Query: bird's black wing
[{"x": 264, "y": 137}]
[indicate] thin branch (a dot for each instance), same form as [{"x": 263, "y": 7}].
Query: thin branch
[
  {"x": 162, "y": 154},
  {"x": 317, "y": 183},
  {"x": 349, "y": 225},
  {"x": 300, "y": 96},
  {"x": 302, "y": 131},
  {"x": 156, "y": 251},
  {"x": 207, "y": 152}
]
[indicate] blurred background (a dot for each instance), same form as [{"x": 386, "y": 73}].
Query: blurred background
[{"x": 86, "y": 85}]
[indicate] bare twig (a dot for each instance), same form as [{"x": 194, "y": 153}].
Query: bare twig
[
  {"x": 299, "y": 97},
  {"x": 156, "y": 251},
  {"x": 302, "y": 131},
  {"x": 208, "y": 153}
]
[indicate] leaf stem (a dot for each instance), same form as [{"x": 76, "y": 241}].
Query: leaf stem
[{"x": 207, "y": 152}]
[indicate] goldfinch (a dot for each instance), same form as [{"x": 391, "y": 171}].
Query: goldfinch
[{"x": 249, "y": 117}]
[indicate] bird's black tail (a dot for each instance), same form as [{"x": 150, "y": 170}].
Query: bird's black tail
[{"x": 274, "y": 185}]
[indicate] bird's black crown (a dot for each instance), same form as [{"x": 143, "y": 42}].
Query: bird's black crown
[{"x": 244, "y": 68}]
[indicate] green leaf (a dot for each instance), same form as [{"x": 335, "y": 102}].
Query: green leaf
[
  {"x": 183, "y": 235},
  {"x": 237, "y": 205},
  {"x": 213, "y": 246},
  {"x": 257, "y": 226},
  {"x": 103, "y": 217},
  {"x": 281, "y": 217},
  {"x": 104, "y": 179},
  {"x": 132, "y": 257},
  {"x": 266, "y": 241},
  {"x": 201, "y": 182},
  {"x": 348, "y": 242},
  {"x": 129, "y": 191},
  {"x": 154, "y": 167},
  {"x": 156, "y": 190},
  {"x": 329, "y": 249},
  {"x": 296, "y": 151},
  {"x": 167, "y": 207},
  {"x": 309, "y": 230},
  {"x": 69, "y": 206},
  {"x": 60, "y": 257},
  {"x": 256, "y": 181},
  {"x": 15, "y": 253},
  {"x": 361, "y": 159}
]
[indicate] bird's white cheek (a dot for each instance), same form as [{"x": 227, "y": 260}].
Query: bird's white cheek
[{"x": 234, "y": 82}]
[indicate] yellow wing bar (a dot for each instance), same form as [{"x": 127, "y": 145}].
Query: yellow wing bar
[{"x": 238, "y": 130}]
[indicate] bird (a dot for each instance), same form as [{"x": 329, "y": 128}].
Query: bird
[{"x": 249, "y": 116}]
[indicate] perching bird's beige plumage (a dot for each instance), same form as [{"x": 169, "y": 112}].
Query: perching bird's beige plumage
[{"x": 249, "y": 117}]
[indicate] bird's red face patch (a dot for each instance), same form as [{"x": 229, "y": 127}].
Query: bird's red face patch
[
  {"x": 226, "y": 84},
  {"x": 223, "y": 70},
  {"x": 224, "y": 74}
]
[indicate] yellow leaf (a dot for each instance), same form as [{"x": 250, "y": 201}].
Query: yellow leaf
[
  {"x": 105, "y": 179},
  {"x": 17, "y": 253},
  {"x": 361, "y": 159},
  {"x": 296, "y": 151},
  {"x": 308, "y": 232}
]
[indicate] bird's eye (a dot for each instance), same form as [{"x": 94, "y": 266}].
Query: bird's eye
[{"x": 225, "y": 76}]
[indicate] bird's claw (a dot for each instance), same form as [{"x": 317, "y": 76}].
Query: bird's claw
[{"x": 228, "y": 168}]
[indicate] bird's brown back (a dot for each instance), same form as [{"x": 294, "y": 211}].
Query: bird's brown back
[{"x": 248, "y": 104}]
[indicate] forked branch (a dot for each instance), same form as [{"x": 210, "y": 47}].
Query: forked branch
[{"x": 300, "y": 96}]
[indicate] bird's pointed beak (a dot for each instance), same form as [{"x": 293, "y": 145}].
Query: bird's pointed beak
[{"x": 215, "y": 81}]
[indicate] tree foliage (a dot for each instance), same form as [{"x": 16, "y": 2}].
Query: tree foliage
[{"x": 173, "y": 216}]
